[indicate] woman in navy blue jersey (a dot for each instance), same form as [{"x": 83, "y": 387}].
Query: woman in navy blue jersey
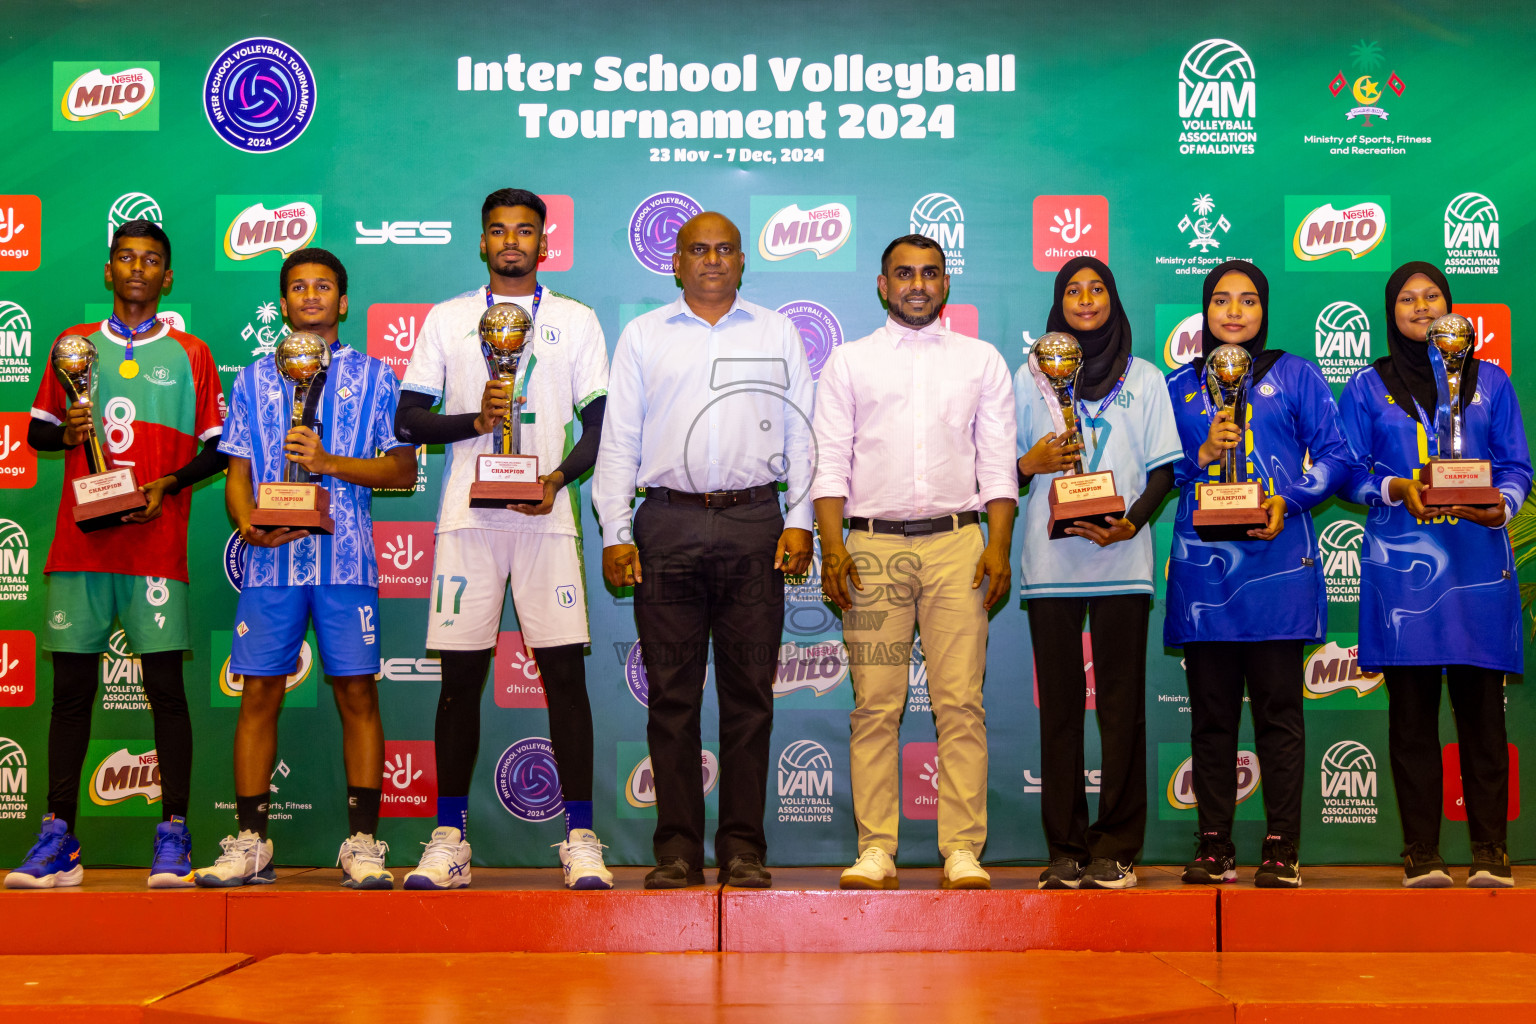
[
  {"x": 1243, "y": 609},
  {"x": 1438, "y": 594}
]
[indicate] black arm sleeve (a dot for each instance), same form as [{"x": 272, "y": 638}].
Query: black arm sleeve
[
  {"x": 584, "y": 455},
  {"x": 206, "y": 463},
  {"x": 416, "y": 423},
  {"x": 1159, "y": 483},
  {"x": 43, "y": 436}
]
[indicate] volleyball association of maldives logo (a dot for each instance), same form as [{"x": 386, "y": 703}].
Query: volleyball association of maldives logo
[
  {"x": 1218, "y": 99},
  {"x": 132, "y": 206},
  {"x": 528, "y": 782},
  {"x": 819, "y": 331},
  {"x": 654, "y": 225},
  {"x": 259, "y": 95}
]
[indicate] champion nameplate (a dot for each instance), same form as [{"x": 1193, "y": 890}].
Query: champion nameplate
[
  {"x": 98, "y": 486},
  {"x": 1224, "y": 496}
]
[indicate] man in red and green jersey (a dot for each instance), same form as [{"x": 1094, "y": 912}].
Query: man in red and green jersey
[{"x": 154, "y": 396}]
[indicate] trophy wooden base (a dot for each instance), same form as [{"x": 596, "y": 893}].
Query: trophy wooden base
[
  {"x": 102, "y": 499},
  {"x": 1084, "y": 496},
  {"x": 294, "y": 507},
  {"x": 1459, "y": 482},
  {"x": 1228, "y": 511},
  {"x": 502, "y": 480}
]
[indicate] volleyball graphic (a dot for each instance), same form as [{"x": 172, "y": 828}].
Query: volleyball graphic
[
  {"x": 11, "y": 754},
  {"x": 1343, "y": 316},
  {"x": 1215, "y": 59},
  {"x": 805, "y": 755},
  {"x": 12, "y": 535},
  {"x": 132, "y": 206},
  {"x": 935, "y": 208},
  {"x": 1349, "y": 756},
  {"x": 1471, "y": 206}
]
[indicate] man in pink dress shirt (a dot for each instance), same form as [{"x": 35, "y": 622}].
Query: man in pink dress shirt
[{"x": 915, "y": 427}]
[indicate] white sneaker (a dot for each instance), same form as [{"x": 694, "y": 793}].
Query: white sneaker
[
  {"x": 246, "y": 860},
  {"x": 362, "y": 863},
  {"x": 873, "y": 870},
  {"x": 962, "y": 872},
  {"x": 581, "y": 855},
  {"x": 444, "y": 862}
]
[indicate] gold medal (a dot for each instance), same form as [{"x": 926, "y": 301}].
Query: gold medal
[{"x": 129, "y": 369}]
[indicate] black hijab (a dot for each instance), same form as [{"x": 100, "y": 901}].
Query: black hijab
[
  {"x": 1107, "y": 349},
  {"x": 1406, "y": 369},
  {"x": 1263, "y": 358}
]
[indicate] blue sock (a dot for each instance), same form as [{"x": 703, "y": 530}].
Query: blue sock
[
  {"x": 578, "y": 814},
  {"x": 453, "y": 811}
]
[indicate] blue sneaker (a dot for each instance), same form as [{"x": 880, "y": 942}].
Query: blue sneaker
[
  {"x": 53, "y": 861},
  {"x": 172, "y": 866}
]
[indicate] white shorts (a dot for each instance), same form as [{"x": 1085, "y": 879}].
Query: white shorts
[{"x": 469, "y": 584}]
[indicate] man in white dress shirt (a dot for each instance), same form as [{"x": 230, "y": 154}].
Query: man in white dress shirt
[
  {"x": 709, "y": 404},
  {"x": 914, "y": 427}
]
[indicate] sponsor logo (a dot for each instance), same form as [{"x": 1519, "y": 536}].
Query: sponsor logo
[
  {"x": 820, "y": 232},
  {"x": 259, "y": 95},
  {"x": 1333, "y": 227},
  {"x": 18, "y": 461},
  {"x": 410, "y": 779},
  {"x": 88, "y": 90},
  {"x": 405, "y": 552},
  {"x": 1492, "y": 323},
  {"x": 1339, "y": 544},
  {"x": 132, "y": 206},
  {"x": 266, "y": 328},
  {"x": 15, "y": 345},
  {"x": 14, "y": 552},
  {"x": 254, "y": 229},
  {"x": 1180, "y": 790},
  {"x": 1069, "y": 226},
  {"x": 518, "y": 682},
  {"x": 1093, "y": 779},
  {"x": 527, "y": 781},
  {"x": 122, "y": 676},
  {"x": 406, "y": 232},
  {"x": 920, "y": 781},
  {"x": 653, "y": 228},
  {"x": 1218, "y": 99},
  {"x": 962, "y": 318},
  {"x": 805, "y": 611},
  {"x": 413, "y": 670},
  {"x": 1333, "y": 668},
  {"x": 1203, "y": 227},
  {"x": 1348, "y": 773},
  {"x": 21, "y": 232},
  {"x": 13, "y": 779},
  {"x": 392, "y": 330},
  {"x": 1455, "y": 804},
  {"x": 819, "y": 329},
  {"x": 818, "y": 667},
  {"x": 421, "y": 471},
  {"x": 1471, "y": 235},
  {"x": 1182, "y": 328},
  {"x": 559, "y": 233},
  {"x": 938, "y": 216},
  {"x": 917, "y": 680},
  {"x": 1363, "y": 86},
  {"x": 232, "y": 686},
  {"x": 639, "y": 784},
  {"x": 805, "y": 783},
  {"x": 1343, "y": 340},
  {"x": 1087, "y": 672},
  {"x": 122, "y": 775},
  {"x": 18, "y": 668},
  {"x": 234, "y": 560}
]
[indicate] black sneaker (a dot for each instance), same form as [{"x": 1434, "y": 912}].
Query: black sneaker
[
  {"x": 1215, "y": 860},
  {"x": 1061, "y": 873},
  {"x": 1423, "y": 868},
  {"x": 1103, "y": 873},
  {"x": 746, "y": 871},
  {"x": 1490, "y": 867},
  {"x": 673, "y": 873},
  {"x": 1281, "y": 865}
]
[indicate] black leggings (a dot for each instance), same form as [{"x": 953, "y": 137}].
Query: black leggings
[
  {"x": 457, "y": 733},
  {"x": 75, "y": 678}
]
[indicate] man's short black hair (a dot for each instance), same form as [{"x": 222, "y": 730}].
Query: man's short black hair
[
  {"x": 141, "y": 229},
  {"x": 512, "y": 197},
  {"x": 324, "y": 257},
  {"x": 918, "y": 241}
]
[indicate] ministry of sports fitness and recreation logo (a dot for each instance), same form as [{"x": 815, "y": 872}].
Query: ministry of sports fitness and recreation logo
[
  {"x": 1364, "y": 87},
  {"x": 122, "y": 676},
  {"x": 1338, "y": 232},
  {"x": 13, "y": 779},
  {"x": 1069, "y": 226},
  {"x": 15, "y": 344},
  {"x": 817, "y": 667},
  {"x": 1218, "y": 99},
  {"x": 18, "y": 460},
  {"x": 1339, "y": 546},
  {"x": 805, "y": 783},
  {"x": 88, "y": 91},
  {"x": 938, "y": 216},
  {"x": 804, "y": 232},
  {"x": 1202, "y": 227},
  {"x": 258, "y": 232},
  {"x": 654, "y": 225},
  {"x": 1342, "y": 336},
  {"x": 1180, "y": 791},
  {"x": 1333, "y": 668},
  {"x": 1349, "y": 784},
  {"x": 1471, "y": 235},
  {"x": 14, "y": 556},
  {"x": 819, "y": 329},
  {"x": 527, "y": 781},
  {"x": 259, "y": 95},
  {"x": 21, "y": 232},
  {"x": 18, "y": 668},
  {"x": 132, "y": 206}
]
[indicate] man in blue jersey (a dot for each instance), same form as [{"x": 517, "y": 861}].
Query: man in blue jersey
[{"x": 293, "y": 577}]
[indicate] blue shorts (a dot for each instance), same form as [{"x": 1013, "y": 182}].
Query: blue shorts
[{"x": 270, "y": 624}]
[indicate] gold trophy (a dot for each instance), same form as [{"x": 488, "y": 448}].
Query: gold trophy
[
  {"x": 105, "y": 494},
  {"x": 296, "y": 502},
  {"x": 506, "y": 477},
  {"x": 1229, "y": 509},
  {"x": 1074, "y": 495},
  {"x": 1451, "y": 479}
]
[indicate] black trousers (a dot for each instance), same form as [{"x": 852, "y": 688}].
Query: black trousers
[
  {"x": 1118, "y": 623},
  {"x": 709, "y": 573},
  {"x": 1413, "y": 729},
  {"x": 1216, "y": 672}
]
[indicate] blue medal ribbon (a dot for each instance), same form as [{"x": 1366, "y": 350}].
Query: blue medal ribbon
[
  {"x": 128, "y": 332},
  {"x": 1082, "y": 408}
]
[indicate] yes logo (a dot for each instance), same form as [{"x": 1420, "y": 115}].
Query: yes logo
[
  {"x": 18, "y": 461},
  {"x": 392, "y": 329},
  {"x": 410, "y": 779},
  {"x": 405, "y": 553},
  {"x": 1069, "y": 226},
  {"x": 18, "y": 668}
]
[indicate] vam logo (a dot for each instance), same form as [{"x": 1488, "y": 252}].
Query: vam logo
[
  {"x": 1471, "y": 235},
  {"x": 15, "y": 345},
  {"x": 938, "y": 216},
  {"x": 392, "y": 330},
  {"x": 406, "y": 232},
  {"x": 122, "y": 676},
  {"x": 18, "y": 461},
  {"x": 805, "y": 769},
  {"x": 1332, "y": 227},
  {"x": 88, "y": 90},
  {"x": 132, "y": 206},
  {"x": 1349, "y": 784},
  {"x": 818, "y": 667},
  {"x": 1218, "y": 99},
  {"x": 822, "y": 230},
  {"x": 13, "y": 779},
  {"x": 13, "y": 561},
  {"x": 1339, "y": 545},
  {"x": 1342, "y": 334},
  {"x": 18, "y": 668},
  {"x": 1180, "y": 790},
  {"x": 1333, "y": 668}
]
